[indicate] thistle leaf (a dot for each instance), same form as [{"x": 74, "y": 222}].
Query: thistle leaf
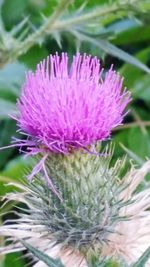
[
  {"x": 132, "y": 155},
  {"x": 20, "y": 27},
  {"x": 113, "y": 50},
  {"x": 143, "y": 259},
  {"x": 7, "y": 107},
  {"x": 42, "y": 256}
]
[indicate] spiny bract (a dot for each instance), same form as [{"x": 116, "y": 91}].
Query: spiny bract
[{"x": 97, "y": 212}]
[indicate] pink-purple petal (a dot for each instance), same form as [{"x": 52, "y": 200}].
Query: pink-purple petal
[{"x": 72, "y": 107}]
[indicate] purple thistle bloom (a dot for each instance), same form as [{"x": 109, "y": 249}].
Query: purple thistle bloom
[{"x": 64, "y": 108}]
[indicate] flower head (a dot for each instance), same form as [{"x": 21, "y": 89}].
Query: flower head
[{"x": 64, "y": 108}]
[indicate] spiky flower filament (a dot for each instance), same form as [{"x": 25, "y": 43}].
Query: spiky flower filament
[{"x": 64, "y": 108}]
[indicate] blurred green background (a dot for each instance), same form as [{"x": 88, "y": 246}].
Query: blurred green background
[{"x": 118, "y": 32}]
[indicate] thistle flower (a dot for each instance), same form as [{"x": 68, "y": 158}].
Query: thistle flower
[
  {"x": 99, "y": 212},
  {"x": 64, "y": 108}
]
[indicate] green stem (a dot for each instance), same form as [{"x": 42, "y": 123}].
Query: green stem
[
  {"x": 47, "y": 26},
  {"x": 99, "y": 12},
  {"x": 53, "y": 24}
]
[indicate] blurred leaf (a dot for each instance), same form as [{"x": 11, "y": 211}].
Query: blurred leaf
[
  {"x": 122, "y": 26},
  {"x": 136, "y": 80},
  {"x": 8, "y": 129},
  {"x": 11, "y": 79},
  {"x": 129, "y": 138},
  {"x": 4, "y": 180},
  {"x": 2, "y": 263},
  {"x": 138, "y": 34},
  {"x": 112, "y": 263},
  {"x": 120, "y": 137},
  {"x": 143, "y": 147},
  {"x": 132, "y": 155},
  {"x": 17, "y": 167},
  {"x": 142, "y": 88},
  {"x": 14, "y": 259},
  {"x": 34, "y": 56},
  {"x": 1, "y": 2},
  {"x": 7, "y": 108},
  {"x": 13, "y": 11},
  {"x": 143, "y": 259},
  {"x": 42, "y": 256},
  {"x": 117, "y": 52},
  {"x": 14, "y": 170},
  {"x": 131, "y": 74},
  {"x": 96, "y": 261},
  {"x": 113, "y": 50}
]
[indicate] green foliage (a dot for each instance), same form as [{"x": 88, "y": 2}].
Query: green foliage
[
  {"x": 96, "y": 261},
  {"x": 8, "y": 128},
  {"x": 13, "y": 260},
  {"x": 42, "y": 256},
  {"x": 112, "y": 263}
]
